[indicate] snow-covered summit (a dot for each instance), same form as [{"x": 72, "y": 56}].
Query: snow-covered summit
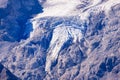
[{"x": 76, "y": 7}]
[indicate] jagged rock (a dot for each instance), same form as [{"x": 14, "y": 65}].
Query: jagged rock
[
  {"x": 5, "y": 74},
  {"x": 13, "y": 17}
]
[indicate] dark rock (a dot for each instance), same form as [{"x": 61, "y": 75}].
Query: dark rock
[{"x": 6, "y": 74}]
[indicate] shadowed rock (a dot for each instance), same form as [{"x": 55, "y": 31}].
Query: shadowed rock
[{"x": 5, "y": 74}]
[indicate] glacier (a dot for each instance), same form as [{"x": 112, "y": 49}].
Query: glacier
[
  {"x": 63, "y": 31},
  {"x": 60, "y": 39},
  {"x": 61, "y": 35}
]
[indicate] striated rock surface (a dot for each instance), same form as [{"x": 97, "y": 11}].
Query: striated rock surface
[{"x": 61, "y": 39}]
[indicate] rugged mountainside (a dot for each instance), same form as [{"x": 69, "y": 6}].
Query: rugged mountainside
[
  {"x": 5, "y": 74},
  {"x": 61, "y": 39},
  {"x": 14, "y": 15}
]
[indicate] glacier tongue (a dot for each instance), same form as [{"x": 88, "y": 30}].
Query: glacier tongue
[
  {"x": 63, "y": 31},
  {"x": 61, "y": 35}
]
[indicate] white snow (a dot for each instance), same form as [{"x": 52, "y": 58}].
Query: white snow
[
  {"x": 35, "y": 25},
  {"x": 58, "y": 8},
  {"x": 3, "y": 3},
  {"x": 98, "y": 6},
  {"x": 61, "y": 35},
  {"x": 68, "y": 8},
  {"x": 109, "y": 4}
]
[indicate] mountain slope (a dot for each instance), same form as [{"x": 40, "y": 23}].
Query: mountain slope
[
  {"x": 63, "y": 40},
  {"x": 6, "y": 74}
]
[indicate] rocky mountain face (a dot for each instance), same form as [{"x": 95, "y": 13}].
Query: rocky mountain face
[
  {"x": 60, "y": 39},
  {"x": 5, "y": 74},
  {"x": 14, "y": 15}
]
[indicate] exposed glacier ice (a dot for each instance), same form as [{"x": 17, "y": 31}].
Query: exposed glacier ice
[
  {"x": 63, "y": 30},
  {"x": 61, "y": 35}
]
